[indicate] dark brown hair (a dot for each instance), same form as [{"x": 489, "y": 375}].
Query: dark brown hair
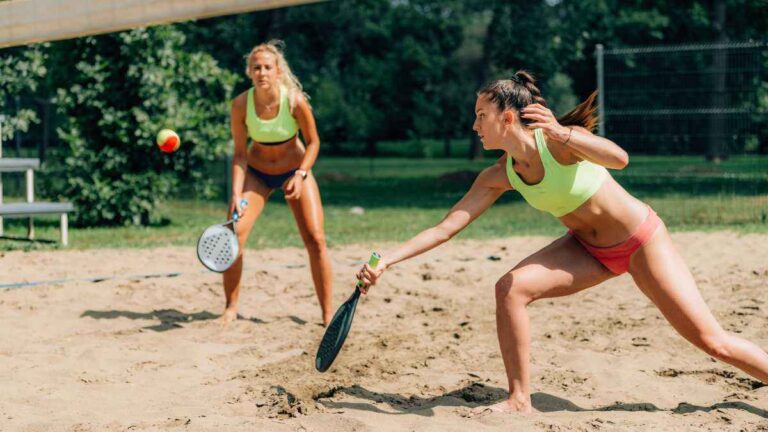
[{"x": 521, "y": 91}]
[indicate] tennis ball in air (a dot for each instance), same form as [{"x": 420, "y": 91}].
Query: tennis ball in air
[{"x": 168, "y": 141}]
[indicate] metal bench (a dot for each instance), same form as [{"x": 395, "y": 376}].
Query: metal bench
[
  {"x": 19, "y": 164},
  {"x": 30, "y": 208}
]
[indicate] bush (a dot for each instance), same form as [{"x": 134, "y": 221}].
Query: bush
[{"x": 21, "y": 70}]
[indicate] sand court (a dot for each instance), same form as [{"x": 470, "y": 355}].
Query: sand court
[{"x": 147, "y": 353}]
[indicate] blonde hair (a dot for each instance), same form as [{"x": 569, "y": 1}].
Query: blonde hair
[{"x": 287, "y": 78}]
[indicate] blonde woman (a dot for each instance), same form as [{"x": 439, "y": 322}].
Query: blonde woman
[{"x": 269, "y": 154}]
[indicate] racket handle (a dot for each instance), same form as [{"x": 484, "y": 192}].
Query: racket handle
[
  {"x": 373, "y": 261},
  {"x": 243, "y": 204}
]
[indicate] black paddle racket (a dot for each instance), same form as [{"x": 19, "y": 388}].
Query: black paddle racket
[{"x": 339, "y": 327}]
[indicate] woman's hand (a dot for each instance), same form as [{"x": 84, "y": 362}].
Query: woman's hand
[
  {"x": 235, "y": 206},
  {"x": 293, "y": 187},
  {"x": 544, "y": 118},
  {"x": 369, "y": 275}
]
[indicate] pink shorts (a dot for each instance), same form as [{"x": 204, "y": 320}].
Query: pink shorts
[{"x": 616, "y": 258}]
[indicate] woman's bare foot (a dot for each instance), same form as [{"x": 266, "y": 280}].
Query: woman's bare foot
[
  {"x": 229, "y": 315},
  {"x": 327, "y": 317},
  {"x": 506, "y": 406}
]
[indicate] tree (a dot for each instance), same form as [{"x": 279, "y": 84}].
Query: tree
[
  {"x": 21, "y": 71},
  {"x": 374, "y": 69},
  {"x": 425, "y": 36}
]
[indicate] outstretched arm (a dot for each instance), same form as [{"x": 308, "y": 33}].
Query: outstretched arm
[{"x": 486, "y": 189}]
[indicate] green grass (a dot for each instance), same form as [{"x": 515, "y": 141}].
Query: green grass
[{"x": 403, "y": 196}]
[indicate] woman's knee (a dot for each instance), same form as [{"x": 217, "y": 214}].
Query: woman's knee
[
  {"x": 717, "y": 346},
  {"x": 315, "y": 241},
  {"x": 511, "y": 289}
]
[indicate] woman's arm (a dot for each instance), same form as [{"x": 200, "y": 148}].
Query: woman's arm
[
  {"x": 588, "y": 146},
  {"x": 578, "y": 140},
  {"x": 306, "y": 120},
  {"x": 486, "y": 189},
  {"x": 240, "y": 157}
]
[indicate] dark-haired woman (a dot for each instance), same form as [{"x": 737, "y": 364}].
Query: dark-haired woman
[{"x": 559, "y": 167}]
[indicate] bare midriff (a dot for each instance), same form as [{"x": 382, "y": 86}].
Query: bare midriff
[
  {"x": 607, "y": 218},
  {"x": 276, "y": 159}
]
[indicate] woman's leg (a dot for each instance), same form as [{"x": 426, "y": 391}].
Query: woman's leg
[
  {"x": 563, "y": 267},
  {"x": 308, "y": 211},
  {"x": 663, "y": 276},
  {"x": 257, "y": 193}
]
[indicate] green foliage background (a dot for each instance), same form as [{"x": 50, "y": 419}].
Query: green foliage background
[
  {"x": 377, "y": 71},
  {"x": 128, "y": 86},
  {"x": 21, "y": 72}
]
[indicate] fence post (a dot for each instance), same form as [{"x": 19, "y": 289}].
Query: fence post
[{"x": 599, "y": 54}]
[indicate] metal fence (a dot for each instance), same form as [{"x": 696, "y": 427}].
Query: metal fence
[
  {"x": 687, "y": 99},
  {"x": 695, "y": 120}
]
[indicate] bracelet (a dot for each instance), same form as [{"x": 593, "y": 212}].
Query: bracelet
[
  {"x": 302, "y": 173},
  {"x": 570, "y": 131}
]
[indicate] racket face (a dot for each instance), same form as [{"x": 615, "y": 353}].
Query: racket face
[
  {"x": 217, "y": 248},
  {"x": 336, "y": 333}
]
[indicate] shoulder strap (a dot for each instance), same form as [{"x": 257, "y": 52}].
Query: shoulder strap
[
  {"x": 541, "y": 144},
  {"x": 250, "y": 109}
]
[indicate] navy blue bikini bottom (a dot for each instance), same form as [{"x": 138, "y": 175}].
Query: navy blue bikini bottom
[{"x": 273, "y": 181}]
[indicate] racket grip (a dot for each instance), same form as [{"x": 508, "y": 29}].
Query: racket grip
[
  {"x": 243, "y": 204},
  {"x": 373, "y": 261}
]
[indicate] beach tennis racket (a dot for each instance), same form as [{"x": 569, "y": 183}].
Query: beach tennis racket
[
  {"x": 217, "y": 247},
  {"x": 339, "y": 327}
]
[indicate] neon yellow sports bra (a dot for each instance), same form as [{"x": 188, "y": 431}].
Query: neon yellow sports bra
[
  {"x": 564, "y": 187},
  {"x": 276, "y": 130}
]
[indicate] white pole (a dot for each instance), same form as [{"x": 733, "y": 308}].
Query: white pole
[
  {"x": 63, "y": 227},
  {"x": 30, "y": 199}
]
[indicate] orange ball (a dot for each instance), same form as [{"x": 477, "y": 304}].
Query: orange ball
[{"x": 168, "y": 141}]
